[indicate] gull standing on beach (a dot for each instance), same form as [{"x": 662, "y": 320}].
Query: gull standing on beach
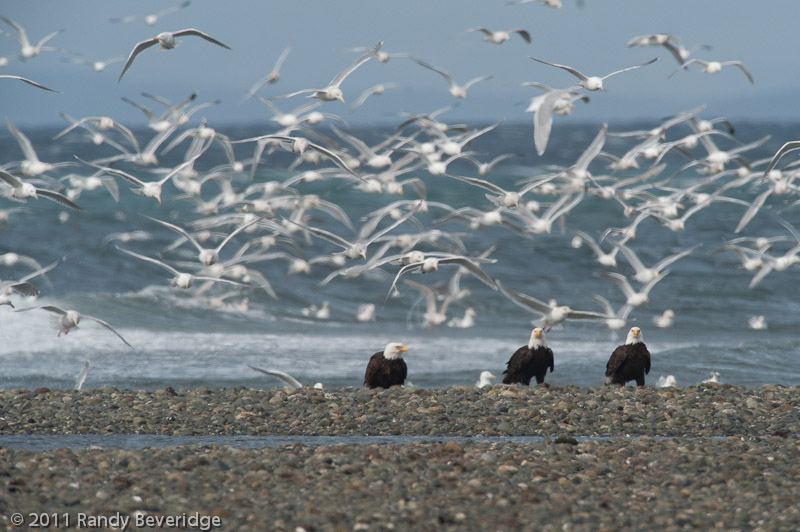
[{"x": 485, "y": 379}]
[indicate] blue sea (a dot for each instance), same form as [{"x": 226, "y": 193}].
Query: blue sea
[{"x": 181, "y": 342}]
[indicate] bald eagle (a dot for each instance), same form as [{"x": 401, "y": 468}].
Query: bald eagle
[
  {"x": 629, "y": 362},
  {"x": 387, "y": 368},
  {"x": 530, "y": 361}
]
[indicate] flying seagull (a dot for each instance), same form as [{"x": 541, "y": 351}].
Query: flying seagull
[
  {"x": 593, "y": 83},
  {"x": 167, "y": 40}
]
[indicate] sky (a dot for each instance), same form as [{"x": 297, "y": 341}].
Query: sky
[{"x": 321, "y": 32}]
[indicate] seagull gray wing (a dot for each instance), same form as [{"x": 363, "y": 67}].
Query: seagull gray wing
[
  {"x": 581, "y": 76},
  {"x": 107, "y": 326},
  {"x": 236, "y": 232},
  {"x": 586, "y": 315},
  {"x": 11, "y": 180},
  {"x": 543, "y": 119},
  {"x": 594, "y": 149},
  {"x": 634, "y": 67},
  {"x": 173, "y": 9},
  {"x": 325, "y": 235},
  {"x": 22, "y": 35},
  {"x": 23, "y": 141},
  {"x": 525, "y": 301},
  {"x": 180, "y": 230},
  {"x": 151, "y": 260},
  {"x": 28, "y": 81},
  {"x": 444, "y": 74},
  {"x": 526, "y": 36},
  {"x": 335, "y": 158},
  {"x": 219, "y": 280},
  {"x": 58, "y": 198},
  {"x": 202, "y": 35},
  {"x": 753, "y": 210},
  {"x": 49, "y": 308},
  {"x": 124, "y": 175},
  {"x": 139, "y": 48},
  {"x": 473, "y": 81},
  {"x": 352, "y": 68},
  {"x": 486, "y": 185},
  {"x": 485, "y": 31},
  {"x": 81, "y": 378},
  {"x": 741, "y": 66},
  {"x": 426, "y": 292},
  {"x": 287, "y": 379},
  {"x": 789, "y": 147},
  {"x": 472, "y": 268}
]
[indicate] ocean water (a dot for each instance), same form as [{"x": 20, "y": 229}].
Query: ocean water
[{"x": 181, "y": 342}]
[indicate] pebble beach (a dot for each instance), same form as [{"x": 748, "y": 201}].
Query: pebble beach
[
  {"x": 706, "y": 410},
  {"x": 709, "y": 457}
]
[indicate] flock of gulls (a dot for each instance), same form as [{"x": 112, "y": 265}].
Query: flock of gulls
[{"x": 244, "y": 218}]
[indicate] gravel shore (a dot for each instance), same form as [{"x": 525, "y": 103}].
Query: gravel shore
[
  {"x": 712, "y": 456},
  {"x": 707, "y": 410},
  {"x": 642, "y": 484}
]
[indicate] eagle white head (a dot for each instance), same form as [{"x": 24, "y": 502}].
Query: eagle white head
[
  {"x": 394, "y": 350},
  {"x": 634, "y": 336},
  {"x": 537, "y": 338}
]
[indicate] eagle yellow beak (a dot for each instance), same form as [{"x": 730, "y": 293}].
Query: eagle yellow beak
[{"x": 404, "y": 348}]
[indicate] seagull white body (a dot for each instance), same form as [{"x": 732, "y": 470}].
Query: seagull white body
[
  {"x": 501, "y": 36},
  {"x": 665, "y": 319},
  {"x": 667, "y": 382},
  {"x": 465, "y": 322},
  {"x": 485, "y": 379},
  {"x": 757, "y": 323},
  {"x": 366, "y": 312}
]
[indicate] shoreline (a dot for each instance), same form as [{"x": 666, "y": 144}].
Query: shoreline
[
  {"x": 729, "y": 484},
  {"x": 706, "y": 410},
  {"x": 707, "y": 457}
]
